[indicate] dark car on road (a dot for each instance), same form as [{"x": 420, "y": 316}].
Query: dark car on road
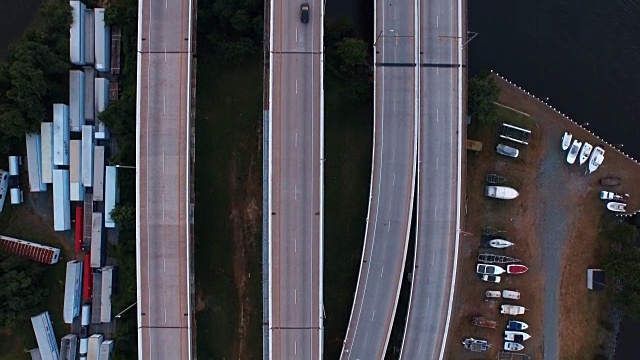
[{"x": 304, "y": 13}]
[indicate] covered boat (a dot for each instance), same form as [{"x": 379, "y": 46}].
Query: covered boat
[
  {"x": 511, "y": 294},
  {"x": 500, "y": 243},
  {"x": 479, "y": 321},
  {"x": 513, "y": 346},
  {"x": 616, "y": 206},
  {"x": 476, "y": 345},
  {"x": 493, "y": 294},
  {"x": 517, "y": 325},
  {"x": 597, "y": 157},
  {"x": 573, "y": 151},
  {"x": 518, "y": 336},
  {"x": 516, "y": 269},
  {"x": 512, "y": 309},
  {"x": 566, "y": 140},
  {"x": 585, "y": 152}
]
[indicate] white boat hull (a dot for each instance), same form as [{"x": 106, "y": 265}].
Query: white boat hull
[
  {"x": 513, "y": 346},
  {"x": 566, "y": 141},
  {"x": 500, "y": 243},
  {"x": 585, "y": 152},
  {"x": 573, "y": 151},
  {"x": 510, "y": 335},
  {"x": 596, "y": 158},
  {"x": 616, "y": 206}
]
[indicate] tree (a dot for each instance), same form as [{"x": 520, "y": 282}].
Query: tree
[
  {"x": 622, "y": 266},
  {"x": 352, "y": 54},
  {"x": 483, "y": 92},
  {"x": 21, "y": 293},
  {"x": 28, "y": 86},
  {"x": 124, "y": 216}
]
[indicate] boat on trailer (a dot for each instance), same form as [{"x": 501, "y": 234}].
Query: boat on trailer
[
  {"x": 566, "y": 140},
  {"x": 596, "y": 159},
  {"x": 500, "y": 243},
  {"x": 515, "y": 269},
  {"x": 511, "y": 294},
  {"x": 496, "y": 259},
  {"x": 476, "y": 345},
  {"x": 585, "y": 152},
  {"x": 513, "y": 346},
  {"x": 480, "y": 321}
]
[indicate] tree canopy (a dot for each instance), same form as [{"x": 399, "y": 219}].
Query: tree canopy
[
  {"x": 622, "y": 266},
  {"x": 483, "y": 92},
  {"x": 21, "y": 290}
]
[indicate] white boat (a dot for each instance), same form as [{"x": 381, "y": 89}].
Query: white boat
[
  {"x": 597, "y": 156},
  {"x": 518, "y": 336},
  {"x": 517, "y": 325},
  {"x": 585, "y": 152},
  {"x": 501, "y": 192},
  {"x": 512, "y": 309},
  {"x": 616, "y": 206},
  {"x": 500, "y": 243},
  {"x": 513, "y": 346},
  {"x": 488, "y": 269},
  {"x": 573, "y": 151},
  {"x": 566, "y": 140},
  {"x": 492, "y": 294},
  {"x": 511, "y": 294}
]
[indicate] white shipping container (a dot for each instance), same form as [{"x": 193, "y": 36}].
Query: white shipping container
[
  {"x": 102, "y": 41},
  {"x": 106, "y": 291},
  {"x": 110, "y": 195},
  {"x": 60, "y": 134},
  {"x": 101, "y": 93},
  {"x": 88, "y": 37},
  {"x": 61, "y": 204},
  {"x": 75, "y": 171},
  {"x": 95, "y": 340},
  {"x": 76, "y": 100},
  {"x": 47, "y": 343},
  {"x": 72, "y": 291},
  {"x": 98, "y": 173},
  {"x": 77, "y": 33},
  {"x": 96, "y": 240},
  {"x": 89, "y": 88},
  {"x": 46, "y": 151},
  {"x": 87, "y": 156},
  {"x": 105, "y": 349},
  {"x": 34, "y": 163}
]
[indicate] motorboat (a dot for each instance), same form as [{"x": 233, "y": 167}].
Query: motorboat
[
  {"x": 493, "y": 294},
  {"x": 507, "y": 150},
  {"x": 573, "y": 151},
  {"x": 511, "y": 294},
  {"x": 596, "y": 158},
  {"x": 566, "y": 140},
  {"x": 512, "y": 309},
  {"x": 500, "y": 243},
  {"x": 476, "y": 345},
  {"x": 488, "y": 269},
  {"x": 513, "y": 346},
  {"x": 501, "y": 192},
  {"x": 517, "y": 325},
  {"x": 518, "y": 336},
  {"x": 490, "y": 278},
  {"x": 608, "y": 195},
  {"x": 585, "y": 152},
  {"x": 616, "y": 206},
  {"x": 516, "y": 269}
]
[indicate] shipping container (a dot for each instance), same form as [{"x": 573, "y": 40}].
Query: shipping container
[
  {"x": 105, "y": 296},
  {"x": 105, "y": 349},
  {"x": 72, "y": 291},
  {"x": 61, "y": 202},
  {"x": 34, "y": 163},
  {"x": 47, "y": 343},
  {"x": 96, "y": 299},
  {"x": 101, "y": 94},
  {"x": 46, "y": 152},
  {"x": 33, "y": 251},
  {"x": 77, "y": 33},
  {"x": 76, "y": 100},
  {"x": 89, "y": 45},
  {"x": 102, "y": 42},
  {"x": 87, "y": 280},
  {"x": 89, "y": 96},
  {"x": 79, "y": 228},
  {"x": 95, "y": 340},
  {"x": 110, "y": 195},
  {"x": 87, "y": 155},
  {"x": 69, "y": 347},
  {"x": 96, "y": 240},
  {"x": 98, "y": 173},
  {"x": 60, "y": 134},
  {"x": 4, "y": 187},
  {"x": 75, "y": 171}
]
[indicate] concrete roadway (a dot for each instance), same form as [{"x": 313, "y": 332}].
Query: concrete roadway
[
  {"x": 437, "y": 185},
  {"x": 295, "y": 196},
  {"x": 164, "y": 319},
  {"x": 392, "y": 182}
]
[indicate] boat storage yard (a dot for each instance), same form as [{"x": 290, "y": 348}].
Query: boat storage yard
[{"x": 68, "y": 157}]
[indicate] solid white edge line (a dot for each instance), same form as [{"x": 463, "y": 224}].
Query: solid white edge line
[
  {"x": 138, "y": 219},
  {"x": 188, "y": 183},
  {"x": 321, "y": 222},
  {"x": 270, "y": 185},
  {"x": 459, "y": 190}
]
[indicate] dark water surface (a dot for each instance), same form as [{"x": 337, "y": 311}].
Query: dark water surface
[
  {"x": 582, "y": 54},
  {"x": 15, "y": 17}
]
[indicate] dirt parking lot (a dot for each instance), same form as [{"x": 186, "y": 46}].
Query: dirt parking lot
[{"x": 554, "y": 224}]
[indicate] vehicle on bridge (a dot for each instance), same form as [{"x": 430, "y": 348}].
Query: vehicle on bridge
[
  {"x": 501, "y": 192},
  {"x": 304, "y": 13}
]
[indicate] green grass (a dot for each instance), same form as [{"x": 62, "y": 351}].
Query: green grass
[
  {"x": 228, "y": 124},
  {"x": 348, "y": 149}
]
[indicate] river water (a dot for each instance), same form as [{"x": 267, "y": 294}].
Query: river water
[{"x": 15, "y": 16}]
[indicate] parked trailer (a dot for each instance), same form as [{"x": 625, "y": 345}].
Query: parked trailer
[
  {"x": 95, "y": 341},
  {"x": 46, "y": 151},
  {"x": 106, "y": 292},
  {"x": 61, "y": 204},
  {"x": 68, "y": 347},
  {"x": 96, "y": 240},
  {"x": 105, "y": 349},
  {"x": 77, "y": 33},
  {"x": 72, "y": 291},
  {"x": 102, "y": 41},
  {"x": 96, "y": 300},
  {"x": 34, "y": 163},
  {"x": 89, "y": 89},
  {"x": 110, "y": 195},
  {"x": 79, "y": 228},
  {"x": 47, "y": 343},
  {"x": 89, "y": 40},
  {"x": 75, "y": 171},
  {"x": 87, "y": 280},
  {"x": 60, "y": 134},
  {"x": 76, "y": 100},
  {"x": 98, "y": 173},
  {"x": 87, "y": 155},
  {"x": 515, "y": 134},
  {"x": 101, "y": 93}
]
